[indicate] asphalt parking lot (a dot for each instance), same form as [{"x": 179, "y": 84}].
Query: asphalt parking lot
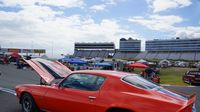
[{"x": 11, "y": 77}]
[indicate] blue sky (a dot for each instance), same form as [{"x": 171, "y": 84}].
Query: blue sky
[{"x": 57, "y": 24}]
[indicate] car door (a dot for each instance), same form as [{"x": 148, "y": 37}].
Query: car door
[{"x": 77, "y": 93}]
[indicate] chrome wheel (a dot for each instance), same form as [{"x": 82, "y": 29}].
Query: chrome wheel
[{"x": 27, "y": 103}]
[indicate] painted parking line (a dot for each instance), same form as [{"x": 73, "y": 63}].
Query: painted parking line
[{"x": 8, "y": 90}]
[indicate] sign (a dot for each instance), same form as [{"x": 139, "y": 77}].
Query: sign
[
  {"x": 39, "y": 50},
  {"x": 14, "y": 50},
  {"x": 26, "y": 51}
]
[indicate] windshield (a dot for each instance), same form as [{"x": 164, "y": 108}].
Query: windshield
[
  {"x": 194, "y": 72},
  {"x": 140, "y": 82}
]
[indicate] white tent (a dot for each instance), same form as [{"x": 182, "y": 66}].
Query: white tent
[
  {"x": 142, "y": 61},
  {"x": 44, "y": 57},
  {"x": 165, "y": 62}
]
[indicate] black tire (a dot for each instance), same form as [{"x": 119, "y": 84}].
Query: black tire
[{"x": 28, "y": 103}]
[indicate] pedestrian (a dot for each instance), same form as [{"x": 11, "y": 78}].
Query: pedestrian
[{"x": 28, "y": 57}]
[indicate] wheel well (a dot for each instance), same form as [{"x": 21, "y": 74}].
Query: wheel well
[
  {"x": 20, "y": 99},
  {"x": 118, "y": 110}
]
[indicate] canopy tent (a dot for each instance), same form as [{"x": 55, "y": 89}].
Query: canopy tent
[
  {"x": 137, "y": 65},
  {"x": 73, "y": 61},
  {"x": 165, "y": 61},
  {"x": 79, "y": 62},
  {"x": 142, "y": 61},
  {"x": 65, "y": 59},
  {"x": 44, "y": 57},
  {"x": 103, "y": 64}
]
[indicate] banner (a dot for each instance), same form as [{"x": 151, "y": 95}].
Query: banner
[
  {"x": 14, "y": 50},
  {"x": 39, "y": 51},
  {"x": 26, "y": 51}
]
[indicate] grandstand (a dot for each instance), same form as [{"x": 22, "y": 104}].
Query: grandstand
[
  {"x": 151, "y": 55},
  {"x": 131, "y": 55},
  {"x": 119, "y": 55},
  {"x": 129, "y": 45},
  {"x": 174, "y": 55},
  {"x": 162, "y": 55},
  {"x": 128, "y": 48},
  {"x": 141, "y": 55},
  {"x": 188, "y": 56},
  {"x": 197, "y": 57},
  {"x": 172, "y": 49},
  {"x": 92, "y": 50}
]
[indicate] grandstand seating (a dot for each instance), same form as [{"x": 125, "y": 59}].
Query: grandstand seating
[
  {"x": 197, "y": 56},
  {"x": 151, "y": 55},
  {"x": 86, "y": 53},
  {"x": 102, "y": 53},
  {"x": 94, "y": 53},
  {"x": 141, "y": 55},
  {"x": 162, "y": 55},
  {"x": 131, "y": 55},
  {"x": 78, "y": 53},
  {"x": 188, "y": 56},
  {"x": 119, "y": 55},
  {"x": 174, "y": 55}
]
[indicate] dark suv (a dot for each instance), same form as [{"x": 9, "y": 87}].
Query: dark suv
[{"x": 192, "y": 77}]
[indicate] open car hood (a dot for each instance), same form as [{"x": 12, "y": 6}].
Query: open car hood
[{"x": 49, "y": 70}]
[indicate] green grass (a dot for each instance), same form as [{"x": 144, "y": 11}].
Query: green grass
[{"x": 172, "y": 75}]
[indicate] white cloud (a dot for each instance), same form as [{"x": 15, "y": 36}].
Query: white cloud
[
  {"x": 162, "y": 5},
  {"x": 98, "y": 7},
  {"x": 157, "y": 22},
  {"x": 167, "y": 24},
  {"x": 59, "y": 3},
  {"x": 42, "y": 27},
  {"x": 112, "y": 2},
  {"x": 104, "y": 5},
  {"x": 188, "y": 32}
]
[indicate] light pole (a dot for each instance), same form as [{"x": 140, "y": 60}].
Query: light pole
[{"x": 52, "y": 49}]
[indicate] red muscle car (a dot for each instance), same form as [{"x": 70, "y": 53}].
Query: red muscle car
[{"x": 62, "y": 90}]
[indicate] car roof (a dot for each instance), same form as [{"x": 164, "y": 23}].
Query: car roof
[{"x": 105, "y": 73}]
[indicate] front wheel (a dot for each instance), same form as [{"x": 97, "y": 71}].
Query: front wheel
[{"x": 28, "y": 104}]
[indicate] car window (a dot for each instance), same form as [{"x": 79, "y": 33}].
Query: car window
[
  {"x": 194, "y": 73},
  {"x": 139, "y": 82},
  {"x": 83, "y": 82}
]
